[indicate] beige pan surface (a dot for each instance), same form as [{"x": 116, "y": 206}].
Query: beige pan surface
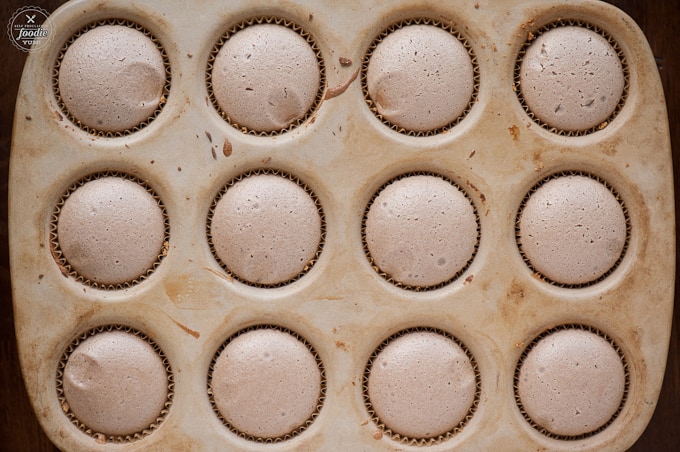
[{"x": 392, "y": 225}]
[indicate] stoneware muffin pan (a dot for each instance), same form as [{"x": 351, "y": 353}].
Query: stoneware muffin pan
[{"x": 393, "y": 225}]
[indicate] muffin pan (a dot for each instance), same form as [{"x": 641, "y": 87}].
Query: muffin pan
[{"x": 401, "y": 226}]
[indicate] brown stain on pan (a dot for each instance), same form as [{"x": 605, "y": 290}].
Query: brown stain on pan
[
  {"x": 338, "y": 90},
  {"x": 186, "y": 329}
]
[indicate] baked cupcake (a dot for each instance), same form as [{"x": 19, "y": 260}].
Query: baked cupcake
[
  {"x": 266, "y": 383},
  {"x": 111, "y": 78},
  {"x": 421, "y": 385},
  {"x": 572, "y": 230},
  {"x": 115, "y": 383},
  {"x": 266, "y": 229},
  {"x": 265, "y": 77},
  {"x": 111, "y": 230},
  {"x": 571, "y": 78},
  {"x": 571, "y": 382},
  {"x": 420, "y": 78},
  {"x": 421, "y": 231}
]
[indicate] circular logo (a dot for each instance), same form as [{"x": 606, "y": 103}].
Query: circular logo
[{"x": 27, "y": 29}]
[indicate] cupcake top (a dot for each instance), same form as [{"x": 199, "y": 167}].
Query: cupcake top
[
  {"x": 115, "y": 383},
  {"x": 571, "y": 382},
  {"x": 266, "y": 229},
  {"x": 111, "y": 78},
  {"x": 572, "y": 229},
  {"x": 421, "y": 230},
  {"x": 571, "y": 78},
  {"x": 265, "y": 77},
  {"x": 111, "y": 230},
  {"x": 266, "y": 383},
  {"x": 420, "y": 78},
  {"x": 422, "y": 385}
]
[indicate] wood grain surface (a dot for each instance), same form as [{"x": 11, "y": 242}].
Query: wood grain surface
[{"x": 19, "y": 429}]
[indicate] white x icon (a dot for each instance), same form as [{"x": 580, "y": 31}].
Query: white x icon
[{"x": 30, "y": 19}]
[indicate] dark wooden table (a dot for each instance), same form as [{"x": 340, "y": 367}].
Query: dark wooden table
[{"x": 19, "y": 429}]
